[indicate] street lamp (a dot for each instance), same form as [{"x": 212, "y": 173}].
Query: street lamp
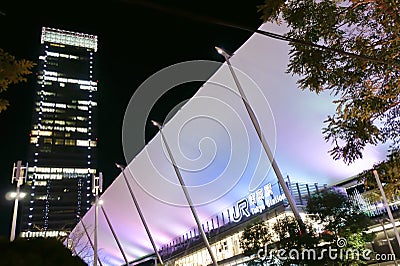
[
  {"x": 12, "y": 195},
  {"x": 19, "y": 175},
  {"x": 122, "y": 168},
  {"x": 263, "y": 140},
  {"x": 186, "y": 192}
]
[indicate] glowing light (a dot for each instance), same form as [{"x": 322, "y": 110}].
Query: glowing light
[
  {"x": 12, "y": 195},
  {"x": 156, "y": 124}
]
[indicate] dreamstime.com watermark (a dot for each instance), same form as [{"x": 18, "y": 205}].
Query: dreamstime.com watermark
[{"x": 332, "y": 253}]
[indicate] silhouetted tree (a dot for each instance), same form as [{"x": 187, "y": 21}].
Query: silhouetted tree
[
  {"x": 360, "y": 65},
  {"x": 12, "y": 71},
  {"x": 36, "y": 252}
]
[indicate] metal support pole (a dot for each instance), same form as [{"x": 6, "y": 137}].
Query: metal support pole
[
  {"x": 122, "y": 168},
  {"x": 97, "y": 188},
  {"x": 14, "y": 218},
  {"x": 96, "y": 224},
  {"x": 114, "y": 235},
  {"x": 19, "y": 175},
  {"x": 390, "y": 244},
  {"x": 299, "y": 193},
  {"x": 264, "y": 143},
  {"x": 396, "y": 232},
  {"x": 186, "y": 192}
]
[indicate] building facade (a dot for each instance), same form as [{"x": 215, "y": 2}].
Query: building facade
[
  {"x": 224, "y": 229},
  {"x": 63, "y": 137}
]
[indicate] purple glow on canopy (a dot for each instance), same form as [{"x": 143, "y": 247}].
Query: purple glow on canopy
[{"x": 301, "y": 153}]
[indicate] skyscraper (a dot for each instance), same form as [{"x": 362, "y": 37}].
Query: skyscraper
[{"x": 63, "y": 139}]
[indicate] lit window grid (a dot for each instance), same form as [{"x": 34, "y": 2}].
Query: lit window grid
[
  {"x": 223, "y": 249},
  {"x": 77, "y": 171},
  {"x": 52, "y": 35},
  {"x": 68, "y": 56},
  {"x": 72, "y": 129},
  {"x": 83, "y": 84}
]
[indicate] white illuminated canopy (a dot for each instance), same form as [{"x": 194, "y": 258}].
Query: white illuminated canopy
[{"x": 215, "y": 135}]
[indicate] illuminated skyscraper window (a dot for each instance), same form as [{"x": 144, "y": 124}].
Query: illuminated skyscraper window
[{"x": 63, "y": 139}]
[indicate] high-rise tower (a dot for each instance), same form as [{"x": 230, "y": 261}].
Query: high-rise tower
[{"x": 63, "y": 139}]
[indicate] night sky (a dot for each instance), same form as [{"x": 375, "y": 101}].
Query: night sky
[{"x": 136, "y": 39}]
